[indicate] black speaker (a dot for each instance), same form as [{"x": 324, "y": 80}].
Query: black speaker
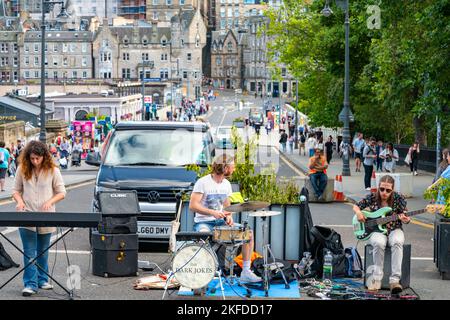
[
  {"x": 442, "y": 245},
  {"x": 406, "y": 265},
  {"x": 118, "y": 224},
  {"x": 116, "y": 203},
  {"x": 114, "y": 255}
]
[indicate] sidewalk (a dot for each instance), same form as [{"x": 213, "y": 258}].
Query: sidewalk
[{"x": 71, "y": 176}]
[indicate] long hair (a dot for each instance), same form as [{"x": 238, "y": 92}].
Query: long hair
[
  {"x": 220, "y": 162},
  {"x": 390, "y": 200},
  {"x": 444, "y": 163},
  {"x": 37, "y": 148}
]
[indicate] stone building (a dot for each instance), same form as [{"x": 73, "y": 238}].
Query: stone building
[{"x": 9, "y": 50}]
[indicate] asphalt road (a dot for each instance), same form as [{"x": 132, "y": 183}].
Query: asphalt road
[{"x": 424, "y": 279}]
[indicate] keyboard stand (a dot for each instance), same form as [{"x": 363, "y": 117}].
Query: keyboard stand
[{"x": 70, "y": 293}]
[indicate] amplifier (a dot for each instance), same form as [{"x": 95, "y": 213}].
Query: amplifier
[
  {"x": 114, "y": 255},
  {"x": 118, "y": 224},
  {"x": 406, "y": 265},
  {"x": 114, "y": 203}
]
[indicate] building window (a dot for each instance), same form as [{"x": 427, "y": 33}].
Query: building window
[
  {"x": 164, "y": 57},
  {"x": 164, "y": 74},
  {"x": 55, "y": 74},
  {"x": 222, "y": 12},
  {"x": 145, "y": 56},
  {"x": 163, "y": 42},
  {"x": 126, "y": 73},
  {"x": 55, "y": 61},
  {"x": 223, "y": 24},
  {"x": 4, "y": 47},
  {"x": 74, "y": 74},
  {"x": 155, "y": 2},
  {"x": 27, "y": 48},
  {"x": 84, "y": 74},
  {"x": 126, "y": 56},
  {"x": 55, "y": 47},
  {"x": 36, "y": 47},
  {"x": 230, "y": 47},
  {"x": 155, "y": 15},
  {"x": 36, "y": 61},
  {"x": 26, "y": 74},
  {"x": 182, "y": 2},
  {"x": 4, "y": 61},
  {"x": 84, "y": 47},
  {"x": 36, "y": 74},
  {"x": 65, "y": 47},
  {"x": 72, "y": 47},
  {"x": 169, "y": 2},
  {"x": 84, "y": 61},
  {"x": 189, "y": 56},
  {"x": 283, "y": 72},
  {"x": 185, "y": 74},
  {"x": 219, "y": 61},
  {"x": 16, "y": 61},
  {"x": 16, "y": 76}
]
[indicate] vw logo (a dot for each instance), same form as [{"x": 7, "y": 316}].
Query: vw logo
[{"x": 153, "y": 196}]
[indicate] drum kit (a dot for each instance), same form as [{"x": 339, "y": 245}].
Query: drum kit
[{"x": 195, "y": 264}]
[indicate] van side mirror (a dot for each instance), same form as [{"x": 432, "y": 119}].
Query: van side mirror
[{"x": 93, "y": 159}]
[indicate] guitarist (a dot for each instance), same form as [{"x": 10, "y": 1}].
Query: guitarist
[{"x": 386, "y": 197}]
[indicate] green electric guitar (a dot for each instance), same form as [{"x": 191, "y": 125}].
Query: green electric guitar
[{"x": 376, "y": 221}]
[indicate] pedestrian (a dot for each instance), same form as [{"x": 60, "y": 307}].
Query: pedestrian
[
  {"x": 310, "y": 144},
  {"x": 4, "y": 164},
  {"x": 329, "y": 148},
  {"x": 318, "y": 173},
  {"x": 413, "y": 153},
  {"x": 358, "y": 147},
  {"x": 268, "y": 127},
  {"x": 38, "y": 187},
  {"x": 283, "y": 140},
  {"x": 369, "y": 155},
  {"x": 443, "y": 165},
  {"x": 17, "y": 152},
  {"x": 291, "y": 144},
  {"x": 302, "y": 144},
  {"x": 390, "y": 157},
  {"x": 319, "y": 144},
  {"x": 379, "y": 149},
  {"x": 12, "y": 164}
]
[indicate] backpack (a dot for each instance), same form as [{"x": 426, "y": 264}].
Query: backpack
[
  {"x": 324, "y": 239},
  {"x": 6, "y": 261},
  {"x": 274, "y": 274},
  {"x": 302, "y": 139},
  {"x": 353, "y": 263}
]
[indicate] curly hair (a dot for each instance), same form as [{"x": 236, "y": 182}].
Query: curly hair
[{"x": 37, "y": 148}]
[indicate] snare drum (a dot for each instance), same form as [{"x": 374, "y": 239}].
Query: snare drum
[
  {"x": 231, "y": 235},
  {"x": 195, "y": 265}
]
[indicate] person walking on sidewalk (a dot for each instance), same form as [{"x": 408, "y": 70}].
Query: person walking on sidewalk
[
  {"x": 38, "y": 187},
  {"x": 4, "y": 164},
  {"x": 329, "y": 148},
  {"x": 390, "y": 156},
  {"x": 291, "y": 144},
  {"x": 413, "y": 152},
  {"x": 302, "y": 144},
  {"x": 386, "y": 197},
  {"x": 283, "y": 140},
  {"x": 379, "y": 161},
  {"x": 310, "y": 144},
  {"x": 369, "y": 155},
  {"x": 318, "y": 173},
  {"x": 358, "y": 145}
]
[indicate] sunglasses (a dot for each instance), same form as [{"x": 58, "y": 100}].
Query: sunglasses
[{"x": 385, "y": 190}]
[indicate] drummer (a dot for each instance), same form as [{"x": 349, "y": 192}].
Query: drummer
[{"x": 209, "y": 196}]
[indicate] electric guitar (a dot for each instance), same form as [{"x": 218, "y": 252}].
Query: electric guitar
[{"x": 376, "y": 221}]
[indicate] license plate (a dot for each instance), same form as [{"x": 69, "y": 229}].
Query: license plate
[{"x": 154, "y": 230}]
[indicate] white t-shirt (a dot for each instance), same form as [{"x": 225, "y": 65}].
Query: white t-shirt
[{"x": 214, "y": 195}]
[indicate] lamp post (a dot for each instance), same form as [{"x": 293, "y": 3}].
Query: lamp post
[
  {"x": 346, "y": 114},
  {"x": 296, "y": 117},
  {"x": 46, "y": 6},
  {"x": 149, "y": 64}
]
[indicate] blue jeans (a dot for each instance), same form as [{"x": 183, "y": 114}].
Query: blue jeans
[
  {"x": 283, "y": 146},
  {"x": 211, "y": 224},
  {"x": 33, "y": 245},
  {"x": 311, "y": 152},
  {"x": 319, "y": 182}
]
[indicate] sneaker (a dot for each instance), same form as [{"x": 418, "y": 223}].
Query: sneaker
[
  {"x": 46, "y": 286},
  {"x": 415, "y": 173},
  {"x": 375, "y": 285},
  {"x": 249, "y": 276},
  {"x": 396, "y": 288},
  {"x": 28, "y": 292},
  {"x": 367, "y": 189}
]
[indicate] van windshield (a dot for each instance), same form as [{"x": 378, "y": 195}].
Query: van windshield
[{"x": 157, "y": 147}]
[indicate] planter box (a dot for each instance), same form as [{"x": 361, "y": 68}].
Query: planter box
[{"x": 286, "y": 232}]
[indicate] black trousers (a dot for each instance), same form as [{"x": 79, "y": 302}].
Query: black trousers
[
  {"x": 413, "y": 164},
  {"x": 367, "y": 175}
]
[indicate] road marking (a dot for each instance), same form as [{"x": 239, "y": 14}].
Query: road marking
[{"x": 288, "y": 163}]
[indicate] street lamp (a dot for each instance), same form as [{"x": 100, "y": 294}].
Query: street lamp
[
  {"x": 149, "y": 64},
  {"x": 46, "y": 6},
  {"x": 296, "y": 117},
  {"x": 346, "y": 114}
]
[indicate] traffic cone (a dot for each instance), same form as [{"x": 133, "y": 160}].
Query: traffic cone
[
  {"x": 338, "y": 193},
  {"x": 373, "y": 183}
]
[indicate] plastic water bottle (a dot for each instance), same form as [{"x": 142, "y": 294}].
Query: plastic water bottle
[{"x": 328, "y": 266}]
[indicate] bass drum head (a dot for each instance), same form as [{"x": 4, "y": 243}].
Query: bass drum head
[{"x": 194, "y": 266}]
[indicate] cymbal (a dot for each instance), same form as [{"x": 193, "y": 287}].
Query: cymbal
[
  {"x": 264, "y": 213},
  {"x": 247, "y": 206}
]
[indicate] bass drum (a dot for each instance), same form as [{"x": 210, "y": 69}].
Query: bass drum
[{"x": 195, "y": 265}]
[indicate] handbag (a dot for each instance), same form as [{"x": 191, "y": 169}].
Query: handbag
[{"x": 408, "y": 158}]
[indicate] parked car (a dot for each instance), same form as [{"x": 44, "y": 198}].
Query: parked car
[
  {"x": 150, "y": 157},
  {"x": 256, "y": 117}
]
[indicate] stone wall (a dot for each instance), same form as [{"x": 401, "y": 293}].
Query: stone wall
[
  {"x": 10, "y": 132},
  {"x": 69, "y": 88}
]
